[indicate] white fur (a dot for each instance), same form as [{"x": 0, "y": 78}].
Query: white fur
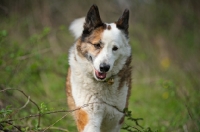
[
  {"x": 105, "y": 102},
  {"x": 76, "y": 27}
]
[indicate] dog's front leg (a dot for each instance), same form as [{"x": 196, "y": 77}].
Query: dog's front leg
[
  {"x": 95, "y": 113},
  {"x": 93, "y": 126}
]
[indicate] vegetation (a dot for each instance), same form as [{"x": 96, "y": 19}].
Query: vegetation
[{"x": 34, "y": 44}]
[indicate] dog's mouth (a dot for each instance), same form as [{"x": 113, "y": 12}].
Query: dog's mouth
[{"x": 100, "y": 75}]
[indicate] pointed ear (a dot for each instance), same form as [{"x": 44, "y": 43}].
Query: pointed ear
[
  {"x": 92, "y": 19},
  {"x": 122, "y": 22}
]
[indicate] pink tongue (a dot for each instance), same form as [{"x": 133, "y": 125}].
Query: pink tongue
[{"x": 100, "y": 75}]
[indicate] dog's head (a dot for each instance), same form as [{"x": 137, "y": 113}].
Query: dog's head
[{"x": 105, "y": 46}]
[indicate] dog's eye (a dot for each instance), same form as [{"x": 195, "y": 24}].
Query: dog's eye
[
  {"x": 115, "y": 48},
  {"x": 97, "y": 46}
]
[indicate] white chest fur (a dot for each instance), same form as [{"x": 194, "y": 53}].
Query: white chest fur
[{"x": 87, "y": 90}]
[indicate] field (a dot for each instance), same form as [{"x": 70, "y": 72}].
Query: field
[{"x": 34, "y": 44}]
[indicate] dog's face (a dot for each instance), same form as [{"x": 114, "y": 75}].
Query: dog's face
[{"x": 104, "y": 44}]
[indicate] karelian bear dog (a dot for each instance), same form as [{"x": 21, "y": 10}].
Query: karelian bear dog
[{"x": 99, "y": 77}]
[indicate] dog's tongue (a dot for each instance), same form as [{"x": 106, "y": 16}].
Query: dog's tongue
[{"x": 100, "y": 75}]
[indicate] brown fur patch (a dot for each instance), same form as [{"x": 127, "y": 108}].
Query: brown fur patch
[
  {"x": 81, "y": 119},
  {"x": 95, "y": 36},
  {"x": 109, "y": 27},
  {"x": 70, "y": 99},
  {"x": 87, "y": 44}
]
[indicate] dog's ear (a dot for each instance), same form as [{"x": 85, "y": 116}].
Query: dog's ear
[
  {"x": 122, "y": 22},
  {"x": 92, "y": 19}
]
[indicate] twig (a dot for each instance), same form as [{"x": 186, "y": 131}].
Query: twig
[
  {"x": 51, "y": 112},
  {"x": 127, "y": 126},
  {"x": 18, "y": 128},
  {"x": 55, "y": 122},
  {"x": 39, "y": 111},
  {"x": 14, "y": 112},
  {"x": 36, "y": 115},
  {"x": 57, "y": 128},
  {"x": 39, "y": 114},
  {"x": 25, "y": 103},
  {"x": 190, "y": 114},
  {"x": 136, "y": 121}
]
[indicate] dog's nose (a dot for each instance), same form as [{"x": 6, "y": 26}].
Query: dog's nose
[{"x": 104, "y": 67}]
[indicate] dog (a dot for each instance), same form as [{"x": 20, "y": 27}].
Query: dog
[{"x": 99, "y": 77}]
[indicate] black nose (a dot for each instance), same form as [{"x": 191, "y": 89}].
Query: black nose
[{"x": 104, "y": 67}]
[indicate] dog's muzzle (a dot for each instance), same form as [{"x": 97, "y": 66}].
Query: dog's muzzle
[{"x": 104, "y": 67}]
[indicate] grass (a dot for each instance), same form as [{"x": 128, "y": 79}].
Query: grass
[{"x": 165, "y": 85}]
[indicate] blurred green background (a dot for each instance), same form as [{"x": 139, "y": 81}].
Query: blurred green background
[{"x": 165, "y": 40}]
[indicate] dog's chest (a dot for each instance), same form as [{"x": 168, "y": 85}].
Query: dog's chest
[{"x": 87, "y": 91}]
